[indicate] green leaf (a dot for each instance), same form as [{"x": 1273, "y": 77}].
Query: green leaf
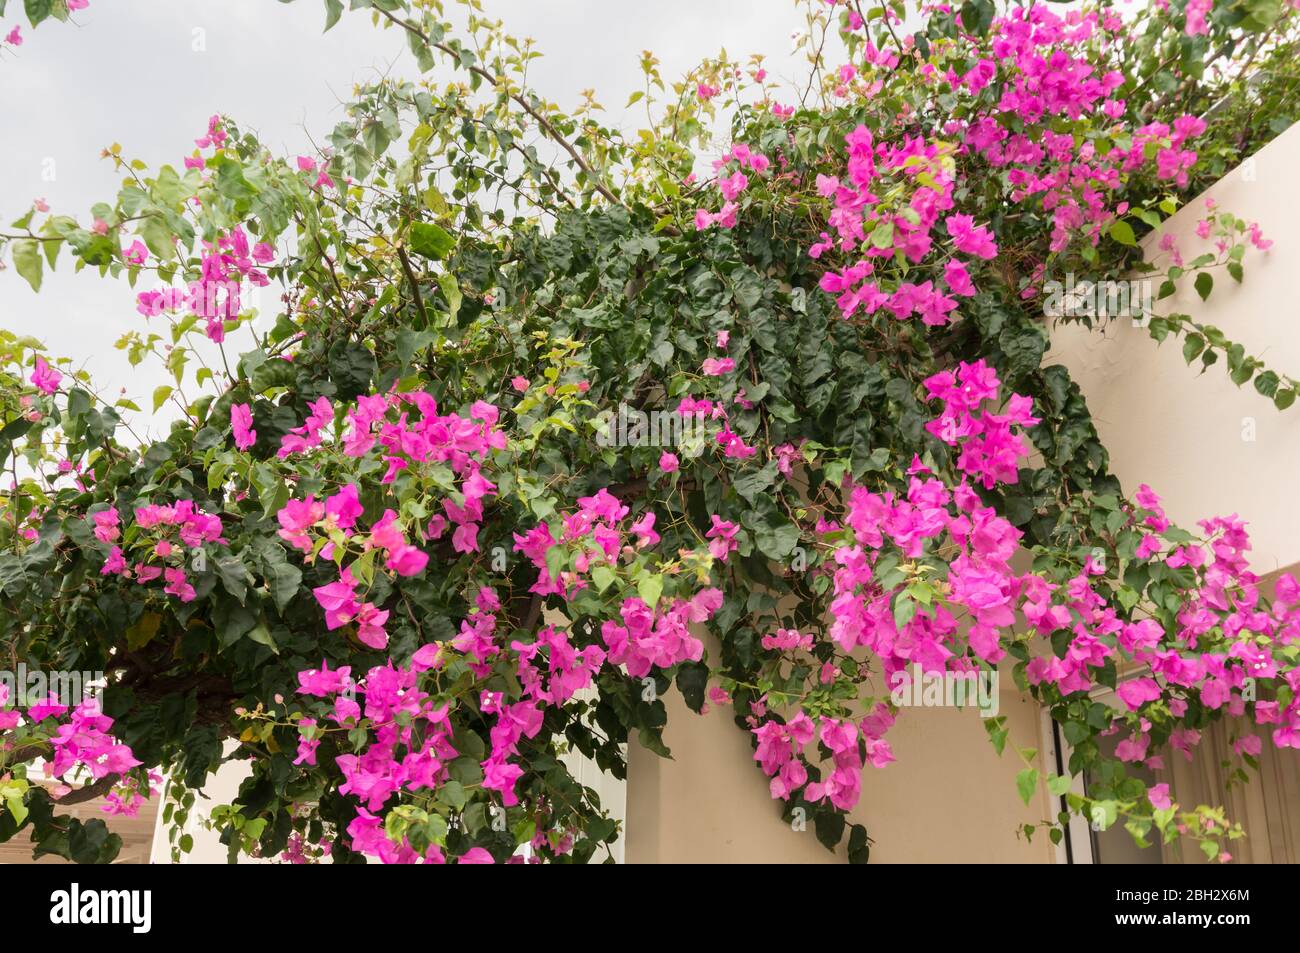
[
  {"x": 430, "y": 241},
  {"x": 859, "y": 845},
  {"x": 160, "y": 395},
  {"x": 882, "y": 236},
  {"x": 997, "y": 732},
  {"x": 1204, "y": 284},
  {"x": 231, "y": 620},
  {"x": 692, "y": 679},
  {"x": 451, "y": 291},
  {"x": 143, "y": 632},
  {"x": 38, "y": 10},
  {"x": 262, "y": 636},
  {"x": 1027, "y": 783},
  {"x": 283, "y": 577},
  {"x": 234, "y": 576},
  {"x": 16, "y": 807},
  {"x": 1103, "y": 814},
  {"x": 904, "y": 609},
  {"x": 1122, "y": 232},
  {"x": 650, "y": 587},
  {"x": 27, "y": 261},
  {"x": 753, "y": 482},
  {"x": 603, "y": 577},
  {"x": 1267, "y": 383},
  {"x": 333, "y": 10},
  {"x": 829, "y": 826},
  {"x": 158, "y": 237}
]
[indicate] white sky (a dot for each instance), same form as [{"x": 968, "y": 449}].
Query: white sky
[{"x": 127, "y": 72}]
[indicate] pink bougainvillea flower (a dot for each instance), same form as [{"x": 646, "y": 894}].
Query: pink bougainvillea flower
[
  {"x": 106, "y": 525},
  {"x": 115, "y": 564},
  {"x": 968, "y": 238},
  {"x": 1196, "y": 12},
  {"x": 1158, "y": 795},
  {"x": 370, "y": 626},
  {"x": 407, "y": 560},
  {"x": 136, "y": 254},
  {"x": 338, "y": 600},
  {"x": 178, "y": 585},
  {"x": 50, "y": 707},
  {"x": 296, "y": 517},
  {"x": 1136, "y": 692},
  {"x": 307, "y": 741},
  {"x": 958, "y": 279},
  {"x": 323, "y": 682},
  {"x": 241, "y": 426},
  {"x": 45, "y": 378},
  {"x": 733, "y": 185},
  {"x": 722, "y": 537},
  {"x": 645, "y": 531},
  {"x": 344, "y": 507}
]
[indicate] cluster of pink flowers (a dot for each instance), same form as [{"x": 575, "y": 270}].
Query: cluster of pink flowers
[
  {"x": 744, "y": 158},
  {"x": 980, "y": 577},
  {"x": 568, "y": 670},
  {"x": 878, "y": 232},
  {"x": 241, "y": 426},
  {"x": 402, "y": 716},
  {"x": 1044, "y": 62},
  {"x": 215, "y": 296},
  {"x": 84, "y": 741},
  {"x": 780, "y": 753},
  {"x": 341, "y": 605},
  {"x": 409, "y": 751},
  {"x": 224, "y": 265},
  {"x": 339, "y": 599},
  {"x": 309, "y": 165},
  {"x": 990, "y": 449},
  {"x": 170, "y": 530},
  {"x": 982, "y": 586},
  {"x": 549, "y": 667},
  {"x": 660, "y": 637},
  {"x": 80, "y": 739},
  {"x": 462, "y": 443},
  {"x": 1043, "y": 58},
  {"x": 1196, "y": 11},
  {"x": 592, "y": 529},
  {"x": 299, "y": 439}
]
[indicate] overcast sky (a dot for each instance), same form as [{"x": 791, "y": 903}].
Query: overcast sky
[{"x": 127, "y": 71}]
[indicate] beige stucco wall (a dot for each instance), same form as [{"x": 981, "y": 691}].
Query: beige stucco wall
[
  {"x": 949, "y": 798},
  {"x": 1188, "y": 434}
]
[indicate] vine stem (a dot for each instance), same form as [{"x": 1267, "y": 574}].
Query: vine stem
[{"x": 500, "y": 83}]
